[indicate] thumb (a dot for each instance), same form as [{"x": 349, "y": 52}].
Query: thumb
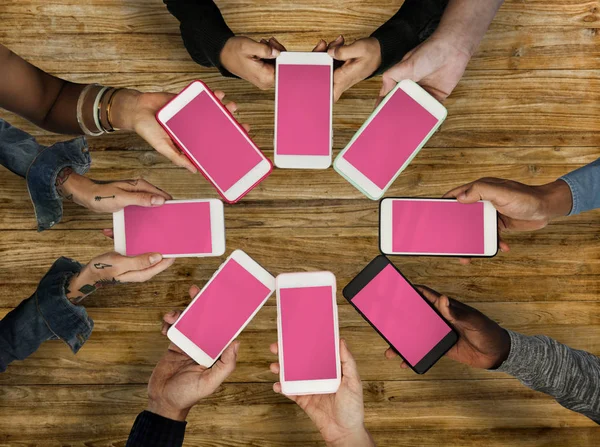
[
  {"x": 139, "y": 198},
  {"x": 349, "y": 369},
  {"x": 402, "y": 70},
  {"x": 443, "y": 305},
  {"x": 477, "y": 191},
  {"x": 262, "y": 50},
  {"x": 223, "y": 367}
]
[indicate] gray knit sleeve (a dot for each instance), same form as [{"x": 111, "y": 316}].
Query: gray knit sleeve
[{"x": 571, "y": 376}]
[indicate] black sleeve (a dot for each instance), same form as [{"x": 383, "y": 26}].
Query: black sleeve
[
  {"x": 414, "y": 22},
  {"x": 152, "y": 430},
  {"x": 203, "y": 30}
]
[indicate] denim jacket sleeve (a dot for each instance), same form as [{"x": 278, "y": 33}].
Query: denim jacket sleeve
[
  {"x": 46, "y": 315},
  {"x": 585, "y": 187},
  {"x": 40, "y": 165}
]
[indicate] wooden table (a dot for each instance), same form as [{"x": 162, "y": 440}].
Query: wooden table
[{"x": 527, "y": 109}]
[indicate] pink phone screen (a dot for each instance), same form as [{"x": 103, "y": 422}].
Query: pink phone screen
[
  {"x": 403, "y": 317},
  {"x": 444, "y": 227},
  {"x": 303, "y": 109},
  {"x": 217, "y": 145},
  {"x": 390, "y": 139},
  {"x": 308, "y": 333},
  {"x": 223, "y": 308},
  {"x": 171, "y": 229}
]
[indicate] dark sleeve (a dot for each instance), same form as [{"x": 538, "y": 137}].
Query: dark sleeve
[
  {"x": 152, "y": 430},
  {"x": 414, "y": 22},
  {"x": 203, "y": 30}
]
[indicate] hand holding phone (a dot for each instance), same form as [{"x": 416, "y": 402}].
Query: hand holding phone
[
  {"x": 388, "y": 141},
  {"x": 340, "y": 416},
  {"x": 482, "y": 342},
  {"x": 179, "y": 228},
  {"x": 404, "y": 318},
  {"x": 307, "y": 326},
  {"x": 437, "y": 227},
  {"x": 222, "y": 309},
  {"x": 214, "y": 141}
]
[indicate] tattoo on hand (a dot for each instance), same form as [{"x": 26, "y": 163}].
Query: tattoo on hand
[
  {"x": 63, "y": 176},
  {"x": 98, "y": 198},
  {"x": 91, "y": 288},
  {"x": 131, "y": 182},
  {"x": 102, "y": 266}
]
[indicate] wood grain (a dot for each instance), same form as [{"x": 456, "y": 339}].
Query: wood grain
[{"x": 527, "y": 109}]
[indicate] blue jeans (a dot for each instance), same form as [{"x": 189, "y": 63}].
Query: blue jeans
[
  {"x": 45, "y": 315},
  {"x": 40, "y": 165}
]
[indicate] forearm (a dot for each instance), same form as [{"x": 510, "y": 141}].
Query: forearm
[
  {"x": 465, "y": 22},
  {"x": 571, "y": 376},
  {"x": 203, "y": 30},
  {"x": 153, "y": 430},
  {"x": 584, "y": 184},
  {"x": 414, "y": 22}
]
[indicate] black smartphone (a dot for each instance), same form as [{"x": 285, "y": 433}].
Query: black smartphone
[{"x": 406, "y": 320}]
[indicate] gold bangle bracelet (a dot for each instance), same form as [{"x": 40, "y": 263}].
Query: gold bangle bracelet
[{"x": 108, "y": 107}]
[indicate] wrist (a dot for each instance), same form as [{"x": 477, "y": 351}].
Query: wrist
[
  {"x": 167, "y": 411},
  {"x": 77, "y": 282},
  {"x": 124, "y": 108},
  {"x": 556, "y": 198},
  {"x": 355, "y": 438}
]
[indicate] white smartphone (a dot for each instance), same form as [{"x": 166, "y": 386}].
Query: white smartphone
[
  {"x": 307, "y": 325},
  {"x": 437, "y": 227},
  {"x": 303, "y": 110},
  {"x": 388, "y": 141},
  {"x": 214, "y": 141},
  {"x": 179, "y": 228},
  {"x": 222, "y": 309}
]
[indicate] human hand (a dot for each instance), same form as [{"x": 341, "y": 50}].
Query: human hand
[
  {"x": 136, "y": 111},
  {"x": 520, "y": 207},
  {"x": 359, "y": 60},
  {"x": 482, "y": 343},
  {"x": 340, "y": 416},
  {"x": 178, "y": 383},
  {"x": 108, "y": 197},
  {"x": 113, "y": 268},
  {"x": 436, "y": 65},
  {"x": 251, "y": 60}
]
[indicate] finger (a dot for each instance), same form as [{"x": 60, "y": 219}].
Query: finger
[
  {"x": 275, "y": 44},
  {"x": 246, "y": 127},
  {"x": 453, "y": 193},
  {"x": 339, "y": 41},
  {"x": 274, "y": 368},
  {"x": 321, "y": 46},
  {"x": 403, "y": 365},
  {"x": 503, "y": 246},
  {"x": 260, "y": 50},
  {"x": 231, "y": 106},
  {"x": 220, "y": 94},
  {"x": 400, "y": 71},
  {"x": 347, "y": 52},
  {"x": 144, "y": 199},
  {"x": 108, "y": 232},
  {"x": 194, "y": 290},
  {"x": 274, "y": 348},
  {"x": 146, "y": 274},
  {"x": 464, "y": 261},
  {"x": 344, "y": 78},
  {"x": 168, "y": 149},
  {"x": 141, "y": 185},
  {"x": 277, "y": 387},
  {"x": 223, "y": 367},
  {"x": 431, "y": 295},
  {"x": 475, "y": 191},
  {"x": 171, "y": 317},
  {"x": 443, "y": 305},
  {"x": 349, "y": 368},
  {"x": 390, "y": 353}
]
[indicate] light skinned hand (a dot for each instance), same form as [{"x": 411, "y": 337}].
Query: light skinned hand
[
  {"x": 340, "y": 416},
  {"x": 108, "y": 196},
  {"x": 360, "y": 60},
  {"x": 136, "y": 111},
  {"x": 178, "y": 382},
  {"x": 436, "y": 65},
  {"x": 482, "y": 342},
  {"x": 520, "y": 207},
  {"x": 113, "y": 268}
]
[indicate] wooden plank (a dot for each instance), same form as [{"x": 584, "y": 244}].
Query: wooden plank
[
  {"x": 149, "y": 319},
  {"x": 129, "y": 357}
]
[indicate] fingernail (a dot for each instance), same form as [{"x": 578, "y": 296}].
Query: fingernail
[
  {"x": 338, "y": 38},
  {"x": 172, "y": 313},
  {"x": 462, "y": 196},
  {"x": 236, "y": 348},
  {"x": 157, "y": 200},
  {"x": 274, "y": 52},
  {"x": 155, "y": 258},
  {"x": 192, "y": 169}
]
